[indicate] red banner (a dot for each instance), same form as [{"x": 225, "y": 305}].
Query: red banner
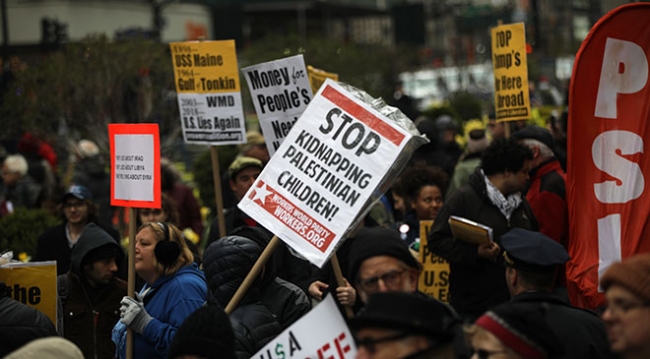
[{"x": 609, "y": 120}]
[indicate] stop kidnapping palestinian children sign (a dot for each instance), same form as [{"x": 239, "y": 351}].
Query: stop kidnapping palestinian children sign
[
  {"x": 337, "y": 160},
  {"x": 281, "y": 92}
]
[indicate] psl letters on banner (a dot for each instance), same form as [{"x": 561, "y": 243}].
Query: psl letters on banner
[
  {"x": 321, "y": 333},
  {"x": 209, "y": 97},
  {"x": 608, "y": 126},
  {"x": 281, "y": 92},
  {"x": 326, "y": 172}
]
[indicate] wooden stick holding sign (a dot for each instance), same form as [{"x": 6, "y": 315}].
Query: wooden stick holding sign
[
  {"x": 252, "y": 275},
  {"x": 334, "y": 260},
  {"x": 216, "y": 177},
  {"x": 130, "y": 289}
]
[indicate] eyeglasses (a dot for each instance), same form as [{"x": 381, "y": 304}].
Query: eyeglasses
[
  {"x": 485, "y": 354},
  {"x": 371, "y": 344},
  {"x": 76, "y": 205},
  {"x": 622, "y": 307},
  {"x": 390, "y": 279},
  {"x": 155, "y": 212}
]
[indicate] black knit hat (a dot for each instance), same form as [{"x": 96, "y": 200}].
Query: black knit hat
[
  {"x": 205, "y": 333},
  {"x": 378, "y": 241},
  {"x": 110, "y": 250}
]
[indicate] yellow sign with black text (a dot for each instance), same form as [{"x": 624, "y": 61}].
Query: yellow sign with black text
[
  {"x": 434, "y": 279},
  {"x": 317, "y": 77},
  {"x": 511, "y": 95},
  {"x": 33, "y": 284}
]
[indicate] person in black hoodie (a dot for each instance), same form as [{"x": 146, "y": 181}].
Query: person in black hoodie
[
  {"x": 20, "y": 324},
  {"x": 90, "y": 293},
  {"x": 226, "y": 262}
]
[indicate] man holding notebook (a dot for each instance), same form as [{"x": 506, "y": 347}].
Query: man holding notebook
[{"x": 491, "y": 198}]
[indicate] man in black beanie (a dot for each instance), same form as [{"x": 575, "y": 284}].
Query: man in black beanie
[
  {"x": 90, "y": 293},
  {"x": 206, "y": 333}
]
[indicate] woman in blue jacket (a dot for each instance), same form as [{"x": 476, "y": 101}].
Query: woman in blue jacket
[{"x": 175, "y": 287}]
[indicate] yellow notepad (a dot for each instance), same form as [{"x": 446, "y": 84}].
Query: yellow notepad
[{"x": 469, "y": 231}]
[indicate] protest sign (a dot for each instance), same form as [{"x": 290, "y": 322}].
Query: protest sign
[
  {"x": 434, "y": 279},
  {"x": 317, "y": 77},
  {"x": 209, "y": 97},
  {"x": 33, "y": 284},
  {"x": 280, "y": 91},
  {"x": 511, "y": 97},
  {"x": 135, "y": 165},
  {"x": 321, "y": 333},
  {"x": 608, "y": 124},
  {"x": 335, "y": 161}
]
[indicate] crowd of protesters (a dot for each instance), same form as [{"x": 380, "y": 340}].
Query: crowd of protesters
[{"x": 507, "y": 297}]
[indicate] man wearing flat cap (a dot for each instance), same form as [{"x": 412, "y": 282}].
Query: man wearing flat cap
[
  {"x": 532, "y": 262},
  {"x": 400, "y": 325}
]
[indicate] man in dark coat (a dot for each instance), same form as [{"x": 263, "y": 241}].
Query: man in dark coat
[
  {"x": 492, "y": 198},
  {"x": 532, "y": 261},
  {"x": 20, "y": 323},
  {"x": 90, "y": 293}
]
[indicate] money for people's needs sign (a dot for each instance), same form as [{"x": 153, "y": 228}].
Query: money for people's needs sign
[
  {"x": 281, "y": 92},
  {"x": 609, "y": 122},
  {"x": 511, "y": 98},
  {"x": 209, "y": 97},
  {"x": 434, "y": 278},
  {"x": 321, "y": 333},
  {"x": 317, "y": 77},
  {"x": 135, "y": 165},
  {"x": 33, "y": 284},
  {"x": 327, "y": 170}
]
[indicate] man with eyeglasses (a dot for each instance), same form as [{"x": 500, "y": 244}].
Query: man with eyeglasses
[
  {"x": 401, "y": 325},
  {"x": 532, "y": 262},
  {"x": 627, "y": 315},
  {"x": 78, "y": 209}
]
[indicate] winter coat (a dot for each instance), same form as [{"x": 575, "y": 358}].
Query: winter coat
[
  {"x": 581, "y": 331},
  {"x": 475, "y": 284},
  {"x": 226, "y": 263},
  {"x": 88, "y": 313},
  {"x": 20, "y": 323},
  {"x": 169, "y": 301}
]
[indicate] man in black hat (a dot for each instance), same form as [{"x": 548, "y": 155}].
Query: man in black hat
[
  {"x": 90, "y": 293},
  {"x": 400, "y": 325},
  {"x": 78, "y": 210},
  {"x": 532, "y": 262},
  {"x": 546, "y": 192}
]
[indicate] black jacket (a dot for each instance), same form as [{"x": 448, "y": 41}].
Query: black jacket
[
  {"x": 20, "y": 324},
  {"x": 581, "y": 331},
  {"x": 475, "y": 284},
  {"x": 226, "y": 262}
]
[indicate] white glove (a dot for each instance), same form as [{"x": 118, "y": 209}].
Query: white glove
[{"x": 133, "y": 314}]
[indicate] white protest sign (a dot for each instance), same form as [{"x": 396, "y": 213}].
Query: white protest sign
[
  {"x": 325, "y": 172},
  {"x": 321, "y": 333},
  {"x": 281, "y": 92},
  {"x": 135, "y": 165},
  {"x": 209, "y": 97}
]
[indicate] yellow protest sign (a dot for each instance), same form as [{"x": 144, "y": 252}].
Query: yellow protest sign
[
  {"x": 205, "y": 66},
  {"x": 33, "y": 284},
  {"x": 511, "y": 96},
  {"x": 318, "y": 76},
  {"x": 434, "y": 279}
]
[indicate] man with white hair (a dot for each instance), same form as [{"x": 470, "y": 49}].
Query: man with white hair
[
  {"x": 547, "y": 191},
  {"x": 20, "y": 189}
]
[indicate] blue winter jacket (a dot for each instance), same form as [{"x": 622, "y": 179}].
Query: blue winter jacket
[{"x": 169, "y": 301}]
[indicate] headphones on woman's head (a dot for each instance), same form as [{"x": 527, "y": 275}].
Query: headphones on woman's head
[{"x": 166, "y": 251}]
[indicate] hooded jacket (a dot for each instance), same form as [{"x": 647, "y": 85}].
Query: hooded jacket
[
  {"x": 226, "y": 263},
  {"x": 475, "y": 284},
  {"x": 89, "y": 313}
]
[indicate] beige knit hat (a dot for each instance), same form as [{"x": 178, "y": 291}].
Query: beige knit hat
[{"x": 633, "y": 273}]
